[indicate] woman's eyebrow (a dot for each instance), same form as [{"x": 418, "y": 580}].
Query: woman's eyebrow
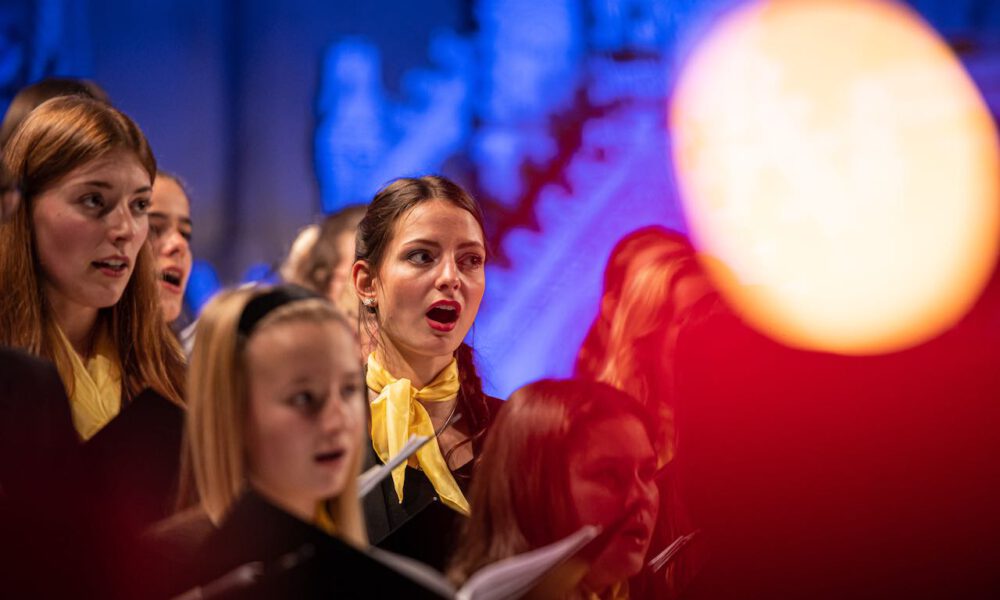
[{"x": 422, "y": 242}]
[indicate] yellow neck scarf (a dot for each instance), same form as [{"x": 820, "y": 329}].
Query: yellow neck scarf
[
  {"x": 96, "y": 386},
  {"x": 397, "y": 413}
]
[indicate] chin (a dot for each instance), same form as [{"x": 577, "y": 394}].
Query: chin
[
  {"x": 106, "y": 298},
  {"x": 333, "y": 487},
  {"x": 171, "y": 309},
  {"x": 616, "y": 564}
]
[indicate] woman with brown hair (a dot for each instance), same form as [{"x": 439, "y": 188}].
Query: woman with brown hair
[
  {"x": 563, "y": 454},
  {"x": 170, "y": 236},
  {"x": 80, "y": 291},
  {"x": 420, "y": 274}
]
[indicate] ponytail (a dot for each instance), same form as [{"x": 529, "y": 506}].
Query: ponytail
[{"x": 472, "y": 400}]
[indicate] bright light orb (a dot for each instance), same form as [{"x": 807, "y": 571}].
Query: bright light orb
[{"x": 836, "y": 158}]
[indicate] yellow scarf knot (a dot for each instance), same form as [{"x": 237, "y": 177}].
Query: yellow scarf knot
[
  {"x": 397, "y": 413},
  {"x": 96, "y": 386}
]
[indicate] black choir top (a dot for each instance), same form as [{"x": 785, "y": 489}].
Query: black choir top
[
  {"x": 421, "y": 527},
  {"x": 290, "y": 558}
]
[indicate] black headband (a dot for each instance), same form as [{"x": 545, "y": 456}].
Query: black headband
[{"x": 261, "y": 305}]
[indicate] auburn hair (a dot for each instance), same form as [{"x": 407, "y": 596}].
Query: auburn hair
[
  {"x": 59, "y": 136},
  {"x": 520, "y": 497},
  {"x": 218, "y": 406},
  {"x": 627, "y": 345}
]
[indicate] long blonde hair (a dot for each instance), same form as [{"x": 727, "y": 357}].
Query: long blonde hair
[
  {"x": 218, "y": 406},
  {"x": 53, "y": 140}
]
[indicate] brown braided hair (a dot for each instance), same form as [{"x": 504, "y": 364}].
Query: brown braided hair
[{"x": 373, "y": 237}]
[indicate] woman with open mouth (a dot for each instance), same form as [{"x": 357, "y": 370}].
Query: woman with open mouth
[
  {"x": 80, "y": 290},
  {"x": 420, "y": 275},
  {"x": 170, "y": 236}
]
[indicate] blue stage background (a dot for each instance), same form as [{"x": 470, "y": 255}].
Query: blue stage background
[{"x": 552, "y": 111}]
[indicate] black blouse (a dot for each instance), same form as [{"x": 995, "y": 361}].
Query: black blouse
[
  {"x": 421, "y": 527},
  {"x": 293, "y": 559}
]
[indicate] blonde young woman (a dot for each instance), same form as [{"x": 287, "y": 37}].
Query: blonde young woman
[
  {"x": 79, "y": 290},
  {"x": 275, "y": 430}
]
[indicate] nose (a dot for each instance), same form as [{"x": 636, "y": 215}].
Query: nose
[
  {"x": 448, "y": 275},
  {"x": 123, "y": 226},
  {"x": 333, "y": 417},
  {"x": 644, "y": 493},
  {"x": 174, "y": 245}
]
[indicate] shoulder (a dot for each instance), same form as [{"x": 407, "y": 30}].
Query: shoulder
[
  {"x": 33, "y": 404},
  {"x": 22, "y": 374},
  {"x": 37, "y": 438},
  {"x": 179, "y": 536}
]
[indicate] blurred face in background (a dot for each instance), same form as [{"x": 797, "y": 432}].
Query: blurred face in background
[
  {"x": 170, "y": 237},
  {"x": 306, "y": 412},
  {"x": 611, "y": 473}
]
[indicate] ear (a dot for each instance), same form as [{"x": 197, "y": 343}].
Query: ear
[{"x": 364, "y": 280}]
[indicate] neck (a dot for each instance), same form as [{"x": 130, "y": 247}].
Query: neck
[
  {"x": 420, "y": 370},
  {"x": 78, "y": 323}
]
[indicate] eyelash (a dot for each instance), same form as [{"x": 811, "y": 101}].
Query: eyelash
[
  {"x": 349, "y": 391},
  {"x": 140, "y": 206},
  {"x": 473, "y": 260},
  {"x": 94, "y": 201},
  {"x": 308, "y": 401},
  {"x": 158, "y": 230},
  {"x": 413, "y": 257},
  {"x": 477, "y": 260}
]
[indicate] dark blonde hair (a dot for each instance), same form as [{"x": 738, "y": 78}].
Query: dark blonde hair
[
  {"x": 218, "y": 405},
  {"x": 59, "y": 136},
  {"x": 316, "y": 268}
]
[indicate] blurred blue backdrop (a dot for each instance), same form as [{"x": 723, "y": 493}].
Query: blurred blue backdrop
[{"x": 551, "y": 111}]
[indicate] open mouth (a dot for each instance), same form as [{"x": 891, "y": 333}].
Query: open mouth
[
  {"x": 443, "y": 314},
  {"x": 637, "y": 532},
  {"x": 329, "y": 457},
  {"x": 112, "y": 266},
  {"x": 171, "y": 276}
]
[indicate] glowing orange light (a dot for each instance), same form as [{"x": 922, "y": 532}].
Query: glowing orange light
[{"x": 835, "y": 156}]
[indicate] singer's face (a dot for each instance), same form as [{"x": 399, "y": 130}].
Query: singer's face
[
  {"x": 611, "y": 472},
  {"x": 432, "y": 280},
  {"x": 306, "y": 412}
]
